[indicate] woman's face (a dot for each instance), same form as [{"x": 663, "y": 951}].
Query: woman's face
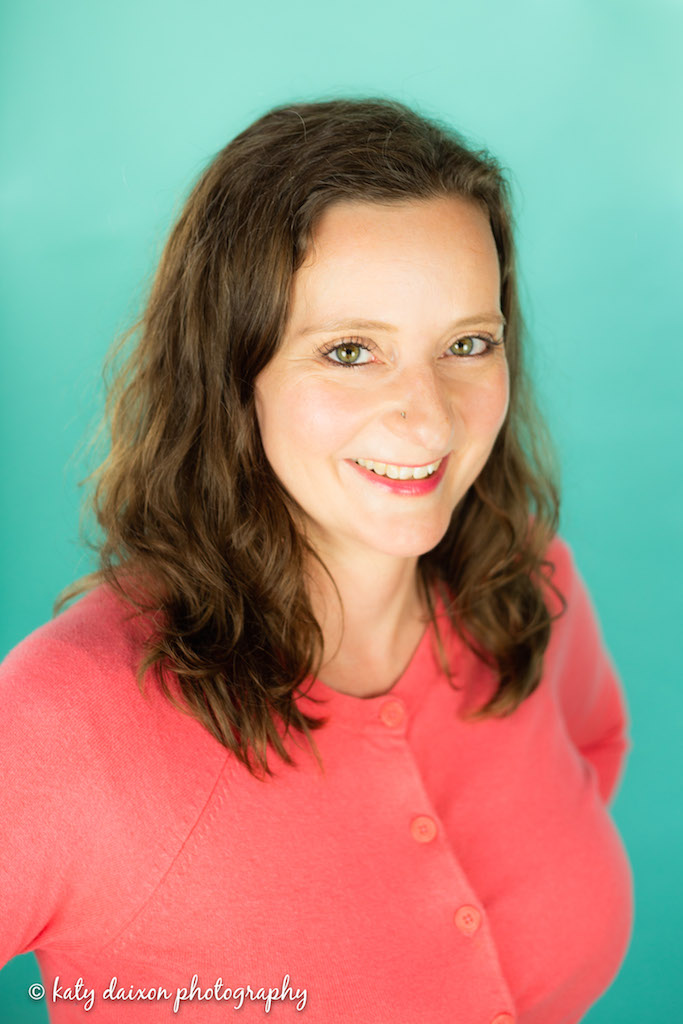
[{"x": 395, "y": 309}]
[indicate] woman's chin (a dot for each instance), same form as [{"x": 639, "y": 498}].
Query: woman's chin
[
  {"x": 407, "y": 541},
  {"x": 398, "y": 537}
]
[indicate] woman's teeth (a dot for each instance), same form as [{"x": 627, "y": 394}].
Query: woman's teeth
[{"x": 400, "y": 472}]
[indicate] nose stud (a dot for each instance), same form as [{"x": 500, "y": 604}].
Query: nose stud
[{"x": 403, "y": 415}]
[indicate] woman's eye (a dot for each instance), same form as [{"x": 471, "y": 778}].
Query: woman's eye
[
  {"x": 348, "y": 353},
  {"x": 464, "y": 346}
]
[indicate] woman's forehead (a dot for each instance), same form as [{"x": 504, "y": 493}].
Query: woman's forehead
[
  {"x": 368, "y": 260},
  {"x": 390, "y": 221}
]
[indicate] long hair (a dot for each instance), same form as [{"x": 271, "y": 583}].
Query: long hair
[{"x": 197, "y": 529}]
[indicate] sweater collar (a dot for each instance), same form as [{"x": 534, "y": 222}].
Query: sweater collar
[{"x": 398, "y": 704}]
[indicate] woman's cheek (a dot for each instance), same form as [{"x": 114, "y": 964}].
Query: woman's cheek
[
  {"x": 490, "y": 405},
  {"x": 324, "y": 416}
]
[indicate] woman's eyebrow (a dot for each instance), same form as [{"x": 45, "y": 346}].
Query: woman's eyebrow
[{"x": 378, "y": 325}]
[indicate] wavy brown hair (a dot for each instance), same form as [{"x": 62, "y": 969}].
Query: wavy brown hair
[{"x": 198, "y": 530}]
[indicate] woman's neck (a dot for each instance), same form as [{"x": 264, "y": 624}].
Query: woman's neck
[{"x": 384, "y": 615}]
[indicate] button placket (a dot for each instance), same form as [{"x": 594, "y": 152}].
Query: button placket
[
  {"x": 392, "y": 713},
  {"x": 468, "y": 918}
]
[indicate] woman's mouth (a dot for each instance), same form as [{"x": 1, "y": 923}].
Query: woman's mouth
[
  {"x": 405, "y": 480},
  {"x": 395, "y": 472}
]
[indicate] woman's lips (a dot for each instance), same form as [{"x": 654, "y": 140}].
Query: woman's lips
[{"x": 409, "y": 487}]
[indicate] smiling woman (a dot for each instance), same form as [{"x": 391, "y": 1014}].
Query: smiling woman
[
  {"x": 425, "y": 394},
  {"x": 329, "y": 489}
]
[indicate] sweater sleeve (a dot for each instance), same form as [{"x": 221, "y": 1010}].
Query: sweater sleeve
[
  {"x": 590, "y": 694},
  {"x": 86, "y": 760},
  {"x": 43, "y": 796}
]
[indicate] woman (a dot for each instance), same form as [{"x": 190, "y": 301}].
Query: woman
[{"x": 330, "y": 501}]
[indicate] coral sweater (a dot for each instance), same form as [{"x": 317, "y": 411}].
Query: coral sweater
[{"x": 439, "y": 871}]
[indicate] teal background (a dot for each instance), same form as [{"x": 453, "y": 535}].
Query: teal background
[{"x": 109, "y": 112}]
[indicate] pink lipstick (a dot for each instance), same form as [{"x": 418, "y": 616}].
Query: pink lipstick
[{"x": 407, "y": 487}]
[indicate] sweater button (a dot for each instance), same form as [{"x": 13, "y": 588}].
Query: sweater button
[
  {"x": 503, "y": 1018},
  {"x": 392, "y": 712},
  {"x": 468, "y": 919},
  {"x": 423, "y": 828}
]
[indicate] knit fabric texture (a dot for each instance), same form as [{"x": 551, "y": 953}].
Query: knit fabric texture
[{"x": 437, "y": 870}]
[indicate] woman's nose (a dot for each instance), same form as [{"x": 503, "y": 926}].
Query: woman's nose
[{"x": 430, "y": 418}]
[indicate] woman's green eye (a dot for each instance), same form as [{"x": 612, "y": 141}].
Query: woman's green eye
[
  {"x": 465, "y": 346},
  {"x": 348, "y": 353}
]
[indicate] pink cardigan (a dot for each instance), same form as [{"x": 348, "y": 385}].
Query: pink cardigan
[{"x": 439, "y": 871}]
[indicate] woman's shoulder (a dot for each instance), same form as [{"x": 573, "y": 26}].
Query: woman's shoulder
[
  {"x": 560, "y": 568},
  {"x": 560, "y": 555},
  {"x": 87, "y": 761},
  {"x": 73, "y": 708},
  {"x": 65, "y": 689},
  {"x": 566, "y": 575},
  {"x": 58, "y": 661},
  {"x": 70, "y": 689},
  {"x": 559, "y": 551}
]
